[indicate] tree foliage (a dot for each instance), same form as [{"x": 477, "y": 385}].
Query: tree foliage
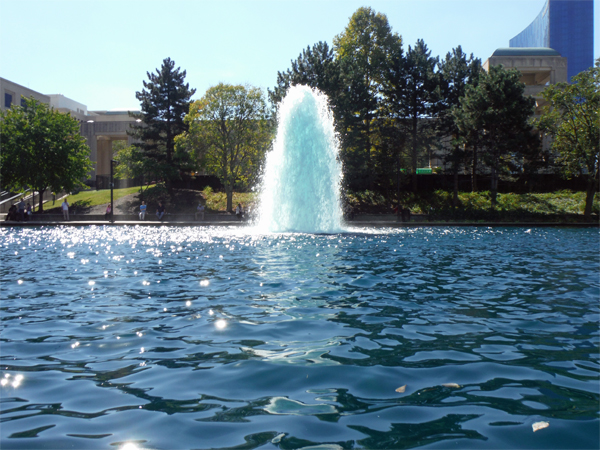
[
  {"x": 572, "y": 118},
  {"x": 456, "y": 72},
  {"x": 42, "y": 149},
  {"x": 494, "y": 115},
  {"x": 363, "y": 51},
  {"x": 229, "y": 134},
  {"x": 393, "y": 108},
  {"x": 411, "y": 89},
  {"x": 315, "y": 67},
  {"x": 164, "y": 102}
]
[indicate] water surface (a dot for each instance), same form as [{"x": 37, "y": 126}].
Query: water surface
[{"x": 176, "y": 338}]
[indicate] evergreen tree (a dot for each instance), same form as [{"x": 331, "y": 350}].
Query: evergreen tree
[
  {"x": 456, "y": 72},
  {"x": 165, "y": 101},
  {"x": 420, "y": 97},
  {"x": 315, "y": 67},
  {"x": 494, "y": 115}
]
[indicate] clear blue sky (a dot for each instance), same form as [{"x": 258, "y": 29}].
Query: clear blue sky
[{"x": 97, "y": 52}]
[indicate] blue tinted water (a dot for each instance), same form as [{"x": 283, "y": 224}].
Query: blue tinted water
[{"x": 176, "y": 338}]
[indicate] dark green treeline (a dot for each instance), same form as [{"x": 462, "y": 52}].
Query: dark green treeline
[{"x": 396, "y": 108}]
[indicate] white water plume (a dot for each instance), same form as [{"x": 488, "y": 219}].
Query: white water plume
[{"x": 300, "y": 190}]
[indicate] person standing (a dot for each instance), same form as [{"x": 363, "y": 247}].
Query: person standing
[
  {"x": 200, "y": 211},
  {"x": 21, "y": 208},
  {"x": 108, "y": 213},
  {"x": 28, "y": 212},
  {"x": 65, "y": 209},
  {"x": 143, "y": 210},
  {"x": 239, "y": 211}
]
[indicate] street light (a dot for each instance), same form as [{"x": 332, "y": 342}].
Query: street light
[{"x": 112, "y": 185}]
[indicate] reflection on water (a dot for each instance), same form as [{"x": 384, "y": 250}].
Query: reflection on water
[{"x": 193, "y": 338}]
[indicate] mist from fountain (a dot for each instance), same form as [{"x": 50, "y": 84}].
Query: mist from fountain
[{"x": 300, "y": 189}]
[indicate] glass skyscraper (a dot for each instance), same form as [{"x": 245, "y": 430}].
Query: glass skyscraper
[{"x": 566, "y": 26}]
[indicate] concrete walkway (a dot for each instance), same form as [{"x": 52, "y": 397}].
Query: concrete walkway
[{"x": 358, "y": 223}]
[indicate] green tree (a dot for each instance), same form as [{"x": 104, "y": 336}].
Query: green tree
[
  {"x": 229, "y": 134},
  {"x": 572, "y": 118},
  {"x": 315, "y": 67},
  {"x": 494, "y": 115},
  {"x": 363, "y": 52},
  {"x": 132, "y": 164},
  {"x": 411, "y": 86},
  {"x": 165, "y": 101},
  {"x": 456, "y": 73},
  {"x": 42, "y": 149}
]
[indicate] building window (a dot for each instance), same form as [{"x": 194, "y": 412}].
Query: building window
[
  {"x": 23, "y": 103},
  {"x": 7, "y": 100}
]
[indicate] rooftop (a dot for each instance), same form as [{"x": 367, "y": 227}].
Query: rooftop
[{"x": 526, "y": 51}]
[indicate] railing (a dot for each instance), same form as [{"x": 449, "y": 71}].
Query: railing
[{"x": 32, "y": 197}]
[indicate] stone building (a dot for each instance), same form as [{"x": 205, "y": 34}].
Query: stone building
[
  {"x": 100, "y": 128},
  {"x": 539, "y": 68}
]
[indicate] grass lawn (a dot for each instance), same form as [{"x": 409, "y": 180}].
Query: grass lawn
[
  {"x": 102, "y": 197},
  {"x": 475, "y": 206},
  {"x": 217, "y": 201}
]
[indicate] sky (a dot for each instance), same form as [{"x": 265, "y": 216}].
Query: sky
[{"x": 98, "y": 52}]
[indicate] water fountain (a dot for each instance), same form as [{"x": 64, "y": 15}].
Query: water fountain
[
  {"x": 301, "y": 184},
  {"x": 214, "y": 337}
]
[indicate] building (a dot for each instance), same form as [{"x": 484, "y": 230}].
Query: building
[
  {"x": 14, "y": 94},
  {"x": 99, "y": 128},
  {"x": 566, "y": 26},
  {"x": 539, "y": 67}
]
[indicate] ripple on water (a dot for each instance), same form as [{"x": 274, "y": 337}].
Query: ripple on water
[{"x": 197, "y": 337}]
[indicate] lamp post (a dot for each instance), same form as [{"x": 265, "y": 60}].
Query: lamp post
[{"x": 112, "y": 185}]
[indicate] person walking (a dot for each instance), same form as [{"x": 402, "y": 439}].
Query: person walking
[
  {"x": 143, "y": 211},
  {"x": 65, "y": 209}
]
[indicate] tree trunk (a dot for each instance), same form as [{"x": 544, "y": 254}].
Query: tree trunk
[
  {"x": 494, "y": 186},
  {"x": 414, "y": 154},
  {"x": 229, "y": 192},
  {"x": 41, "y": 205},
  {"x": 455, "y": 193},
  {"x": 589, "y": 196},
  {"x": 398, "y": 205},
  {"x": 474, "y": 171}
]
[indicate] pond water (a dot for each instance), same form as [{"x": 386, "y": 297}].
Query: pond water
[{"x": 176, "y": 338}]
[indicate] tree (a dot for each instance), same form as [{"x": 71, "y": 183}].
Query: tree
[
  {"x": 165, "y": 100},
  {"x": 229, "y": 133},
  {"x": 456, "y": 72},
  {"x": 315, "y": 67},
  {"x": 572, "y": 118},
  {"x": 42, "y": 149},
  {"x": 410, "y": 87},
  {"x": 494, "y": 115},
  {"x": 132, "y": 164},
  {"x": 363, "y": 51}
]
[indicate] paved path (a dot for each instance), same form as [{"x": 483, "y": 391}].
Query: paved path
[{"x": 351, "y": 224}]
